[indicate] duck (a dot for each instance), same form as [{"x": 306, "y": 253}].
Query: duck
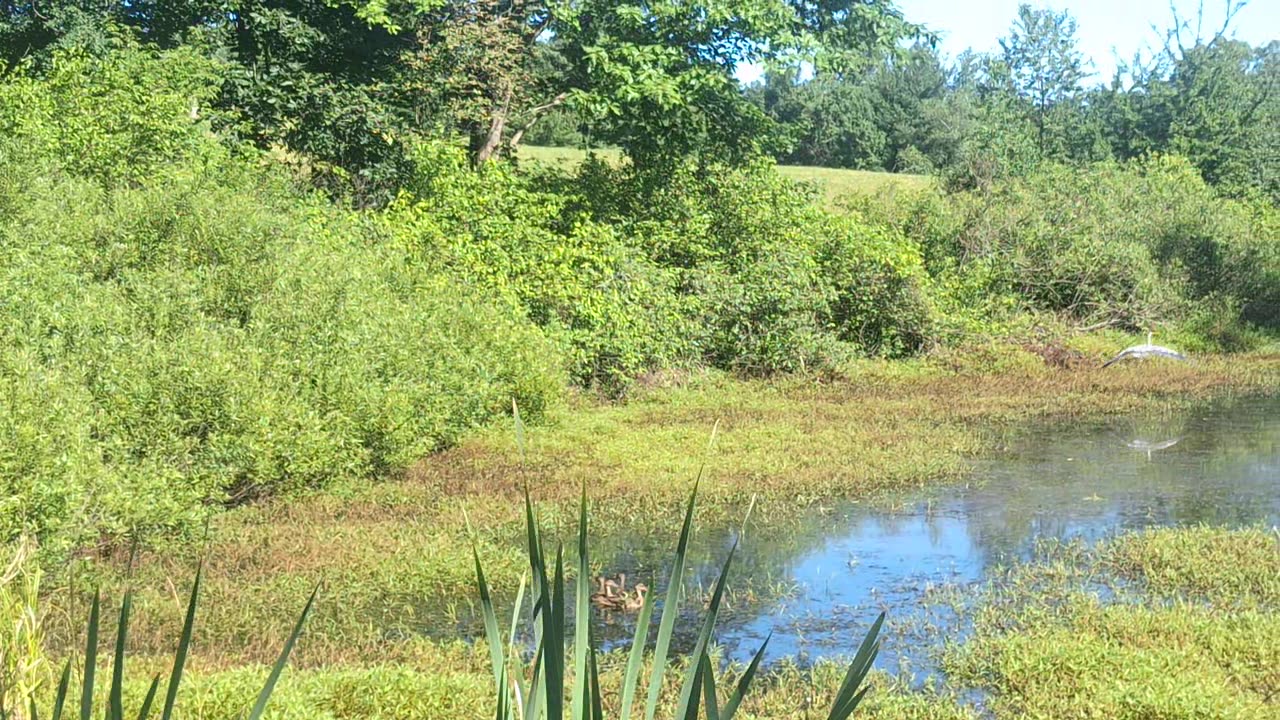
[
  {"x": 610, "y": 594},
  {"x": 634, "y": 602}
]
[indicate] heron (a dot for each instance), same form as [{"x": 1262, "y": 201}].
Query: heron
[
  {"x": 1149, "y": 446},
  {"x": 1146, "y": 350}
]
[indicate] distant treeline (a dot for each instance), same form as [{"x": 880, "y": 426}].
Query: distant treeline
[{"x": 1215, "y": 101}]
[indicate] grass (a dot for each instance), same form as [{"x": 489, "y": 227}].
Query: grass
[
  {"x": 836, "y": 184},
  {"x": 1187, "y": 634},
  {"x": 394, "y": 558}
]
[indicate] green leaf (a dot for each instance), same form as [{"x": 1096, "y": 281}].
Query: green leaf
[
  {"x": 145, "y": 712},
  {"x": 848, "y": 696},
  {"x": 670, "y": 607},
  {"x": 744, "y": 682},
  {"x": 709, "y": 701},
  {"x": 60, "y": 700},
  {"x": 261, "y": 705},
  {"x": 582, "y": 614},
  {"x": 115, "y": 710},
  {"x": 90, "y": 659},
  {"x": 184, "y": 646},
  {"x": 689, "y": 693},
  {"x": 636, "y": 658}
]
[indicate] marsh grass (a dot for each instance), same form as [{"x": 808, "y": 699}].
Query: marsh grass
[
  {"x": 1170, "y": 623},
  {"x": 28, "y": 693},
  {"x": 796, "y": 444}
]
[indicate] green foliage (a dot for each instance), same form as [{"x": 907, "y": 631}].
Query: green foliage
[
  {"x": 778, "y": 283},
  {"x": 205, "y": 334},
  {"x": 541, "y": 692},
  {"x": 1129, "y": 245},
  {"x": 113, "y": 117}
]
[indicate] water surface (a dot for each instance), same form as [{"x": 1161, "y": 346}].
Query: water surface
[{"x": 826, "y": 578}]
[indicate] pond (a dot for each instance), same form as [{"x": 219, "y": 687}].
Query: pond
[{"x": 820, "y": 583}]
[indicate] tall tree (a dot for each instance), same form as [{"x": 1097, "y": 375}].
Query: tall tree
[{"x": 1045, "y": 67}]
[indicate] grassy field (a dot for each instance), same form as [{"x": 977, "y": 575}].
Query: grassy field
[
  {"x": 395, "y": 556},
  {"x": 836, "y": 184}
]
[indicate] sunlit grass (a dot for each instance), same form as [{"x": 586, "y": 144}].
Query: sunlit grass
[
  {"x": 1183, "y": 632},
  {"x": 836, "y": 184}
]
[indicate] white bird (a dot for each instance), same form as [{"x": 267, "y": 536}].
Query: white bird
[
  {"x": 1146, "y": 350},
  {"x": 1150, "y": 447}
]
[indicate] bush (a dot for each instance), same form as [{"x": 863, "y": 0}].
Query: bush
[
  {"x": 1127, "y": 245},
  {"x": 201, "y": 333},
  {"x": 778, "y": 283}
]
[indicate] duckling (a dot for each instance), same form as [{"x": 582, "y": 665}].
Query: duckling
[
  {"x": 635, "y": 602},
  {"x": 608, "y": 596}
]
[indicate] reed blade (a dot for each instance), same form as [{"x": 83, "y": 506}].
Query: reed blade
[
  {"x": 115, "y": 708},
  {"x": 261, "y": 705},
  {"x": 636, "y": 658},
  {"x": 145, "y": 711},
  {"x": 709, "y": 701},
  {"x": 555, "y": 643},
  {"x": 582, "y": 615},
  {"x": 60, "y": 699},
  {"x": 90, "y": 659},
  {"x": 744, "y": 682},
  {"x": 596, "y": 705},
  {"x": 496, "y": 656},
  {"x": 671, "y": 606},
  {"x": 689, "y": 692},
  {"x": 537, "y": 687},
  {"x": 184, "y": 646},
  {"x": 848, "y": 697}
]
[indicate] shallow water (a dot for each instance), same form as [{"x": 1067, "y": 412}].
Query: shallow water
[{"x": 826, "y": 577}]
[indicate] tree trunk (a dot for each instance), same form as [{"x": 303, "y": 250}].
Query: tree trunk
[{"x": 485, "y": 142}]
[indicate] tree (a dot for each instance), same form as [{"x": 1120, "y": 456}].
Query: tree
[
  {"x": 1045, "y": 67},
  {"x": 655, "y": 78}
]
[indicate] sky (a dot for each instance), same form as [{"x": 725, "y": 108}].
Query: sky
[{"x": 1104, "y": 25}]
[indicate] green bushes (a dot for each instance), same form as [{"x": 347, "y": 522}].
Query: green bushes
[
  {"x": 1128, "y": 245},
  {"x": 776, "y": 283},
  {"x": 185, "y": 330}
]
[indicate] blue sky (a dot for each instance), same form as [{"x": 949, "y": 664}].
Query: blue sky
[{"x": 1124, "y": 25}]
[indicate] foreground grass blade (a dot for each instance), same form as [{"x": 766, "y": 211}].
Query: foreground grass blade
[
  {"x": 596, "y": 704},
  {"x": 116, "y": 699},
  {"x": 670, "y": 607},
  {"x": 184, "y": 646},
  {"x": 709, "y": 701},
  {"x": 90, "y": 659},
  {"x": 496, "y": 655},
  {"x": 848, "y": 697},
  {"x": 555, "y": 643},
  {"x": 582, "y": 614},
  {"x": 689, "y": 693},
  {"x": 636, "y": 658},
  {"x": 261, "y": 705},
  {"x": 537, "y": 688},
  {"x": 145, "y": 712},
  {"x": 503, "y": 712},
  {"x": 744, "y": 682},
  {"x": 60, "y": 700}
]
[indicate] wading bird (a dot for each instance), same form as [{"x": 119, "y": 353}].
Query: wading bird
[{"x": 1146, "y": 350}]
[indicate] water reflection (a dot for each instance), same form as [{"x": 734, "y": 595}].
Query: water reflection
[{"x": 1219, "y": 464}]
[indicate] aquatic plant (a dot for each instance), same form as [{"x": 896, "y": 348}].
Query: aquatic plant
[
  {"x": 540, "y": 690},
  {"x": 115, "y": 696}
]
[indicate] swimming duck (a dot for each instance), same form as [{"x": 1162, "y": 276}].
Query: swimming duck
[
  {"x": 634, "y": 602},
  {"x": 609, "y": 596}
]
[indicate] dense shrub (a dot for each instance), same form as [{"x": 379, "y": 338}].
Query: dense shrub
[
  {"x": 779, "y": 283},
  {"x": 1128, "y": 245},
  {"x": 202, "y": 333},
  {"x": 614, "y": 309}
]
